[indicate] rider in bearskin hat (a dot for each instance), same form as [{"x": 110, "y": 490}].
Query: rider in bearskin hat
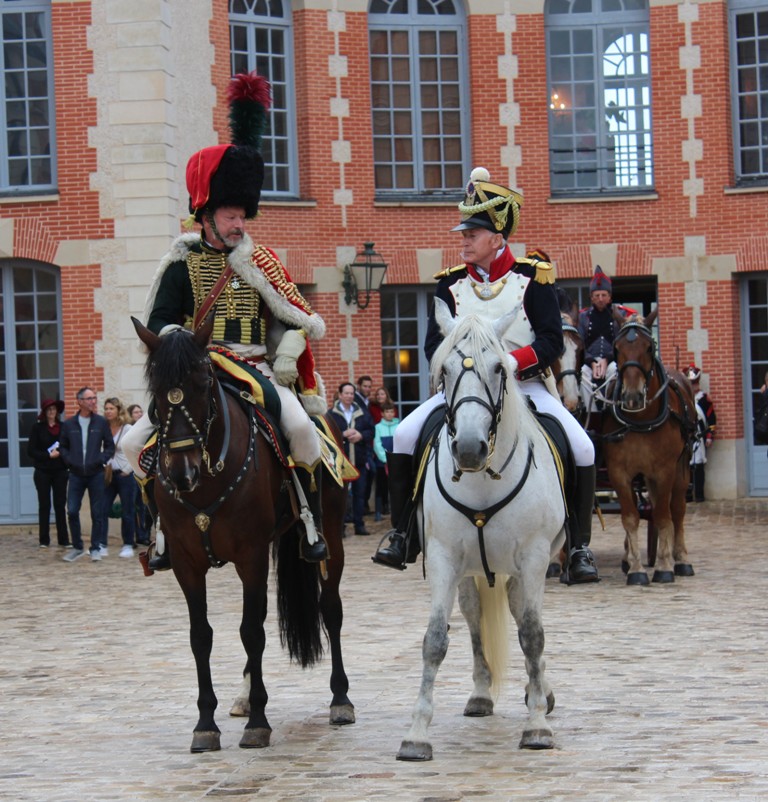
[
  {"x": 491, "y": 282},
  {"x": 261, "y": 321}
]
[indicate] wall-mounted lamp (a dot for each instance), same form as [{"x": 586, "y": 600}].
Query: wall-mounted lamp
[{"x": 365, "y": 274}]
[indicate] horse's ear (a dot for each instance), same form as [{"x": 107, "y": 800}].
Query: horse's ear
[
  {"x": 149, "y": 338},
  {"x": 618, "y": 318},
  {"x": 203, "y": 334},
  {"x": 649, "y": 319},
  {"x": 443, "y": 317}
]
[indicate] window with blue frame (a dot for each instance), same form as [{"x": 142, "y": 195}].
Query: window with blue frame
[
  {"x": 261, "y": 39},
  {"x": 749, "y": 89},
  {"x": 27, "y": 149},
  {"x": 419, "y": 95},
  {"x": 599, "y": 80}
]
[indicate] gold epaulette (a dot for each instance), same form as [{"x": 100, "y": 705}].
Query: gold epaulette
[
  {"x": 449, "y": 270},
  {"x": 545, "y": 273}
]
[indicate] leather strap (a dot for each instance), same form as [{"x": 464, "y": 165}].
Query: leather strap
[{"x": 212, "y": 297}]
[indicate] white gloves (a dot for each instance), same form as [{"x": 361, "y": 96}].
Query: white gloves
[{"x": 290, "y": 349}]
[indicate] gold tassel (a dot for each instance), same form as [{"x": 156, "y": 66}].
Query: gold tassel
[{"x": 189, "y": 222}]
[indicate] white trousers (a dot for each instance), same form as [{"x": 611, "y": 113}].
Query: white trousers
[{"x": 408, "y": 431}]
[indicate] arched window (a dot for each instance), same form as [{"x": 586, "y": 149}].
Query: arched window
[
  {"x": 261, "y": 39},
  {"x": 418, "y": 96},
  {"x": 27, "y": 141},
  {"x": 749, "y": 89},
  {"x": 599, "y": 80}
]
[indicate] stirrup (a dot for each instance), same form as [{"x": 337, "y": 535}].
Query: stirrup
[
  {"x": 313, "y": 552},
  {"x": 394, "y": 555}
]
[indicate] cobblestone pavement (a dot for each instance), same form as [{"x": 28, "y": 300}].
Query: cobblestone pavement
[{"x": 662, "y": 692}]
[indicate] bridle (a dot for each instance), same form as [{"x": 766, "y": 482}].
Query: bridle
[
  {"x": 575, "y": 372},
  {"x": 198, "y": 439},
  {"x": 630, "y": 332},
  {"x": 493, "y": 405},
  {"x": 480, "y": 517}
]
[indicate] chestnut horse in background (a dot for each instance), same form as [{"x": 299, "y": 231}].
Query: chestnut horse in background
[
  {"x": 223, "y": 496},
  {"x": 647, "y": 430}
]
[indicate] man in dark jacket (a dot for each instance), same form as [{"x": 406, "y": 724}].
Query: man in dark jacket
[
  {"x": 357, "y": 429},
  {"x": 86, "y": 447}
]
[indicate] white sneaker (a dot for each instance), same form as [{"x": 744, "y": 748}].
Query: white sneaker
[
  {"x": 95, "y": 555},
  {"x": 103, "y": 551},
  {"x": 72, "y": 555},
  {"x": 126, "y": 551}
]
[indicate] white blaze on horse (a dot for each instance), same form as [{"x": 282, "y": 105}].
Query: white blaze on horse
[{"x": 492, "y": 513}]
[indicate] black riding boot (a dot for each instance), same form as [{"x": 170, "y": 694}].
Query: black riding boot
[
  {"x": 581, "y": 562},
  {"x": 157, "y": 562},
  {"x": 400, "y": 507},
  {"x": 697, "y": 472},
  {"x": 317, "y": 551}
]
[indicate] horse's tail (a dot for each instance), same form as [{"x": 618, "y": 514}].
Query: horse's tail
[
  {"x": 298, "y": 602},
  {"x": 494, "y": 629}
]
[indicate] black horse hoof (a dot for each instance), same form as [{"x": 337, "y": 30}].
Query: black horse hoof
[
  {"x": 342, "y": 714},
  {"x": 537, "y": 739},
  {"x": 256, "y": 738},
  {"x": 683, "y": 569},
  {"x": 479, "y": 706},
  {"x": 206, "y": 741},
  {"x": 663, "y": 577},
  {"x": 637, "y": 578}
]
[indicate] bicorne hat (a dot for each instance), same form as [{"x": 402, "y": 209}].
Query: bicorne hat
[
  {"x": 489, "y": 206},
  {"x": 600, "y": 281},
  {"x": 232, "y": 175}
]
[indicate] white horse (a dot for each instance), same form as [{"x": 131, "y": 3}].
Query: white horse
[{"x": 493, "y": 514}]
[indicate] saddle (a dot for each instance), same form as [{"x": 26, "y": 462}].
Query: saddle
[{"x": 556, "y": 439}]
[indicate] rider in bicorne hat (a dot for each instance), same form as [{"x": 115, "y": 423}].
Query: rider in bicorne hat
[
  {"x": 491, "y": 282},
  {"x": 260, "y": 315}
]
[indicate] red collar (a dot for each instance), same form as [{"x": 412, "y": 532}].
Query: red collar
[{"x": 500, "y": 266}]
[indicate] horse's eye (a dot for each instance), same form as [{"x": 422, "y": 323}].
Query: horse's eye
[{"x": 499, "y": 367}]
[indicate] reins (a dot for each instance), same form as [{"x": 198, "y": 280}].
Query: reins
[
  {"x": 481, "y": 517},
  {"x": 204, "y": 517},
  {"x": 494, "y": 407}
]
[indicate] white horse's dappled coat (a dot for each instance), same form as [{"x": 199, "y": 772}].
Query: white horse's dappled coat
[{"x": 516, "y": 485}]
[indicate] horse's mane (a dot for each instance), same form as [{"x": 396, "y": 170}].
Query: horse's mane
[{"x": 169, "y": 365}]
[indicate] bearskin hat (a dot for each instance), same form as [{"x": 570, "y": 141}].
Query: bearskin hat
[{"x": 232, "y": 175}]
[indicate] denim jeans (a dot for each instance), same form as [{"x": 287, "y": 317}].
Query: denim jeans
[
  {"x": 125, "y": 487},
  {"x": 95, "y": 486}
]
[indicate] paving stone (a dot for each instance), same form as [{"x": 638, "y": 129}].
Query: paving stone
[{"x": 662, "y": 691}]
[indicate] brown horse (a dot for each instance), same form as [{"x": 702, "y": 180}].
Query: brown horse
[
  {"x": 222, "y": 494},
  {"x": 647, "y": 431}
]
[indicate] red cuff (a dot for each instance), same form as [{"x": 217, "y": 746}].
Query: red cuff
[{"x": 526, "y": 358}]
